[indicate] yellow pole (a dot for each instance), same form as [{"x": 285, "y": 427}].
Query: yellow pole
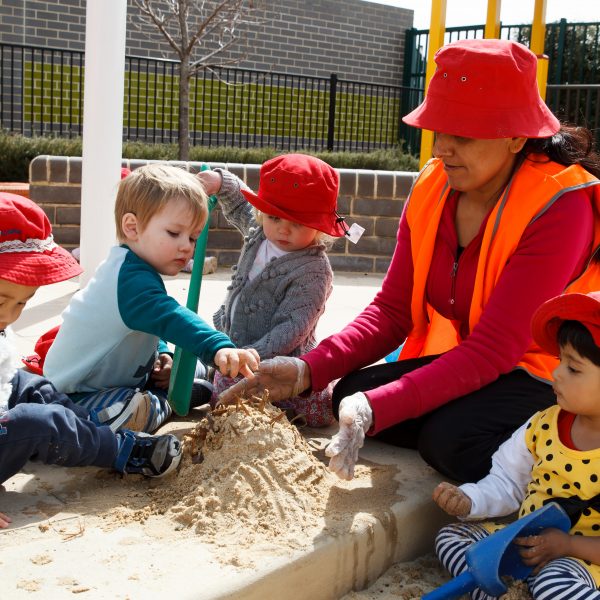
[
  {"x": 492, "y": 21},
  {"x": 437, "y": 29},
  {"x": 538, "y": 35}
]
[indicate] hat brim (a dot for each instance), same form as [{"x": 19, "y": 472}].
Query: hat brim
[
  {"x": 327, "y": 223},
  {"x": 38, "y": 268},
  {"x": 550, "y": 316},
  {"x": 462, "y": 119}
]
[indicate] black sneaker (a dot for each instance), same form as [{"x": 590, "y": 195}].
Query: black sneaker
[
  {"x": 149, "y": 455},
  {"x": 201, "y": 392}
]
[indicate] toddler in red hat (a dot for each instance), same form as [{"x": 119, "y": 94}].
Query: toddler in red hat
[
  {"x": 283, "y": 276},
  {"x": 553, "y": 457},
  {"x": 36, "y": 421}
]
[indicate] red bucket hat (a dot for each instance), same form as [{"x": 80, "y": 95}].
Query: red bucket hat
[
  {"x": 28, "y": 253},
  {"x": 299, "y": 188},
  {"x": 548, "y": 318},
  {"x": 485, "y": 89}
]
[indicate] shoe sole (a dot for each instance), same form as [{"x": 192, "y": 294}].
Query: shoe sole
[
  {"x": 136, "y": 415},
  {"x": 172, "y": 467}
]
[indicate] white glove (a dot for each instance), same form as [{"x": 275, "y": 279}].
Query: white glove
[
  {"x": 355, "y": 418},
  {"x": 283, "y": 376}
]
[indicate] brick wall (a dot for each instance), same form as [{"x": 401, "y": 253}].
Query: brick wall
[
  {"x": 357, "y": 40},
  {"x": 373, "y": 199}
]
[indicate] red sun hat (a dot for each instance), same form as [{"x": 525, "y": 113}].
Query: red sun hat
[
  {"x": 485, "y": 89},
  {"x": 548, "y": 318},
  {"x": 299, "y": 188},
  {"x": 28, "y": 254}
]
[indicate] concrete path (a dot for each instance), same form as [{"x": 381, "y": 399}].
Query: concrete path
[{"x": 60, "y": 544}]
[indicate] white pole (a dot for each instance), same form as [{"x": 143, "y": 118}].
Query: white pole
[{"x": 102, "y": 128}]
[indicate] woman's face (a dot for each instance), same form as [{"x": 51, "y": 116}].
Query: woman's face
[{"x": 473, "y": 165}]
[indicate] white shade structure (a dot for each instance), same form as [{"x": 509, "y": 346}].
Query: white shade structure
[{"x": 102, "y": 128}]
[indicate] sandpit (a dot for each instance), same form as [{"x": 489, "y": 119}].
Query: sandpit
[{"x": 249, "y": 479}]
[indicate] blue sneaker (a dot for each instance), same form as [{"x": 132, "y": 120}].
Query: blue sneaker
[{"x": 149, "y": 455}]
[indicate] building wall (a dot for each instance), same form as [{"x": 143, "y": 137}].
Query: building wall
[
  {"x": 357, "y": 40},
  {"x": 373, "y": 199}
]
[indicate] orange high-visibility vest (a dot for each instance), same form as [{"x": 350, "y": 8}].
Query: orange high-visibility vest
[{"x": 534, "y": 187}]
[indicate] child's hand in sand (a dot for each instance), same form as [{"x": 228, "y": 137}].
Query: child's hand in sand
[
  {"x": 234, "y": 361},
  {"x": 4, "y": 521},
  {"x": 452, "y": 500}
]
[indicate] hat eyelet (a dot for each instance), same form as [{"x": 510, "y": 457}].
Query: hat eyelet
[
  {"x": 272, "y": 179},
  {"x": 445, "y": 75},
  {"x": 463, "y": 78},
  {"x": 296, "y": 184}
]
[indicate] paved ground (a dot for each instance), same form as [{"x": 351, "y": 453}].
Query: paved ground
[{"x": 59, "y": 545}]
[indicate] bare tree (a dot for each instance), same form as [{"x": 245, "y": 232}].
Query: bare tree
[{"x": 201, "y": 33}]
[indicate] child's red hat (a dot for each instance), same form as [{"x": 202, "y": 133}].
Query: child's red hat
[
  {"x": 548, "y": 318},
  {"x": 302, "y": 189},
  {"x": 28, "y": 254}
]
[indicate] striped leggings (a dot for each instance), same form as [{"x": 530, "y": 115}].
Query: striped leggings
[
  {"x": 100, "y": 405},
  {"x": 560, "y": 579}
]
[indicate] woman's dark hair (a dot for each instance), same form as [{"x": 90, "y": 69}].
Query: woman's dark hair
[
  {"x": 569, "y": 146},
  {"x": 579, "y": 337}
]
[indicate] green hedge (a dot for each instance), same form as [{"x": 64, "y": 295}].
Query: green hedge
[{"x": 18, "y": 151}]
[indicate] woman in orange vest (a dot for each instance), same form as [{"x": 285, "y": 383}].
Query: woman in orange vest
[{"x": 506, "y": 216}]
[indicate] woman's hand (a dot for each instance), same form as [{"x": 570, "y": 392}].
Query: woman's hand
[
  {"x": 537, "y": 550},
  {"x": 234, "y": 361},
  {"x": 211, "y": 181},
  {"x": 452, "y": 500},
  {"x": 5, "y": 521},
  {"x": 161, "y": 372},
  {"x": 355, "y": 418},
  {"x": 284, "y": 377}
]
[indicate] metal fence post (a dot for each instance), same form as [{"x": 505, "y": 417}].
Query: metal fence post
[{"x": 331, "y": 120}]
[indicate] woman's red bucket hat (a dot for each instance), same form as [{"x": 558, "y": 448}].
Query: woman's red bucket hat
[
  {"x": 299, "y": 188},
  {"x": 485, "y": 89},
  {"x": 548, "y": 318},
  {"x": 28, "y": 253}
]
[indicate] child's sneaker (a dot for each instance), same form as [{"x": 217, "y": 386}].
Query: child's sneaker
[
  {"x": 134, "y": 412},
  {"x": 149, "y": 455}
]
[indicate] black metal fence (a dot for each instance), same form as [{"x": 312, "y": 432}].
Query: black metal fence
[
  {"x": 41, "y": 93},
  {"x": 573, "y": 51}
]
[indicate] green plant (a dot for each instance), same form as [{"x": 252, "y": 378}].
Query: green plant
[{"x": 18, "y": 151}]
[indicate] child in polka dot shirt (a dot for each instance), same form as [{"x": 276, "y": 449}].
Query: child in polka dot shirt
[{"x": 554, "y": 456}]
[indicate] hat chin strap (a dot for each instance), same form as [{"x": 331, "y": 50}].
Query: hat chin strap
[{"x": 29, "y": 245}]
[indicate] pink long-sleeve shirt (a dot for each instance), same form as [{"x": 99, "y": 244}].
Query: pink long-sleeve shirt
[{"x": 553, "y": 250}]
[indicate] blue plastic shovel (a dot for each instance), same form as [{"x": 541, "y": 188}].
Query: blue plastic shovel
[
  {"x": 184, "y": 363},
  {"x": 496, "y": 556}
]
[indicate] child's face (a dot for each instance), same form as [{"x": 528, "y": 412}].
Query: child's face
[
  {"x": 287, "y": 235},
  {"x": 577, "y": 383},
  {"x": 168, "y": 240},
  {"x": 13, "y": 298}
]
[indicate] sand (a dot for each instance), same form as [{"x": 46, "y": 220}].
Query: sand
[{"x": 249, "y": 479}]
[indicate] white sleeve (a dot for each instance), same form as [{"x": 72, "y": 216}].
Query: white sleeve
[{"x": 501, "y": 491}]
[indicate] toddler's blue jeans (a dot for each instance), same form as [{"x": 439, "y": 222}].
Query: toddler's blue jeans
[{"x": 44, "y": 425}]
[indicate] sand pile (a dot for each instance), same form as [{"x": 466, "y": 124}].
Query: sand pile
[
  {"x": 257, "y": 475},
  {"x": 248, "y": 478}
]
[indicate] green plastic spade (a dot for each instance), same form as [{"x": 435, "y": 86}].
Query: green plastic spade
[{"x": 184, "y": 363}]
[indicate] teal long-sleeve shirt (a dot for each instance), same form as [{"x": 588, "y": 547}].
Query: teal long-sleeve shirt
[{"x": 111, "y": 328}]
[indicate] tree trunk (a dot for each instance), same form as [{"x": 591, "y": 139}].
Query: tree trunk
[{"x": 184, "y": 108}]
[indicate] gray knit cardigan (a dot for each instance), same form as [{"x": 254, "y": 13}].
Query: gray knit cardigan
[{"x": 277, "y": 312}]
